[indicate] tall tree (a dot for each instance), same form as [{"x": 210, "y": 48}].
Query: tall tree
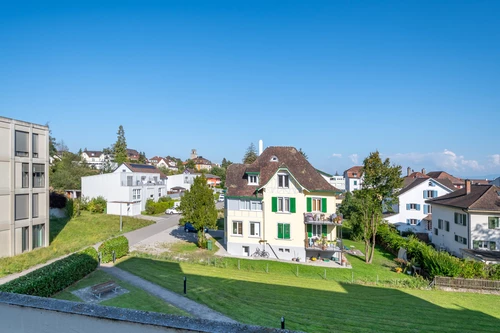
[
  {"x": 221, "y": 172},
  {"x": 61, "y": 146},
  {"x": 225, "y": 163},
  {"x": 303, "y": 153},
  {"x": 190, "y": 165},
  {"x": 250, "y": 155},
  {"x": 120, "y": 147},
  {"x": 198, "y": 205},
  {"x": 142, "y": 158},
  {"x": 381, "y": 180}
]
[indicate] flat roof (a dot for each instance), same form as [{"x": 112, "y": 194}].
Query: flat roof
[{"x": 22, "y": 121}]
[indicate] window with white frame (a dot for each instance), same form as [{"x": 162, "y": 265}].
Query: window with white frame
[
  {"x": 21, "y": 143},
  {"x": 244, "y": 204},
  {"x": 316, "y": 204},
  {"x": 254, "y": 228},
  {"x": 316, "y": 230},
  {"x": 25, "y": 175},
  {"x": 430, "y": 194},
  {"x": 412, "y": 221},
  {"x": 413, "y": 206},
  {"x": 493, "y": 222},
  {"x": 460, "y": 239},
  {"x": 136, "y": 194},
  {"x": 460, "y": 219},
  {"x": 427, "y": 209},
  {"x": 253, "y": 180},
  {"x": 283, "y": 205},
  {"x": 237, "y": 228},
  {"x": 484, "y": 245},
  {"x": 34, "y": 145},
  {"x": 256, "y": 205},
  {"x": 38, "y": 175},
  {"x": 283, "y": 181}
]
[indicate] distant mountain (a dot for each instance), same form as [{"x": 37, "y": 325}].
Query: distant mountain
[{"x": 489, "y": 177}]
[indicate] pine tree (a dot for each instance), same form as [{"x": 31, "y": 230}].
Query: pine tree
[
  {"x": 303, "y": 153},
  {"x": 120, "y": 147},
  {"x": 250, "y": 155}
]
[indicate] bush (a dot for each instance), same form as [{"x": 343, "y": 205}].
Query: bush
[
  {"x": 53, "y": 278},
  {"x": 73, "y": 208},
  {"x": 118, "y": 244},
  {"x": 57, "y": 200},
  {"x": 202, "y": 240},
  {"x": 159, "y": 207},
  {"x": 97, "y": 205}
]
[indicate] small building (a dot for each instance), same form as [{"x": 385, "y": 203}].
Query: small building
[
  {"x": 96, "y": 159},
  {"x": 467, "y": 222},
  {"x": 353, "y": 178},
  {"x": 24, "y": 186},
  {"x": 132, "y": 183}
]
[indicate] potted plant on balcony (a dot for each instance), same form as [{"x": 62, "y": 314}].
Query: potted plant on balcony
[{"x": 324, "y": 242}]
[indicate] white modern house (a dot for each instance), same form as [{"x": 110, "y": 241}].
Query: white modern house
[
  {"x": 95, "y": 159},
  {"x": 24, "y": 186},
  {"x": 168, "y": 163},
  {"x": 412, "y": 213},
  {"x": 181, "y": 182},
  {"x": 353, "y": 178},
  {"x": 336, "y": 180},
  {"x": 466, "y": 222},
  {"x": 127, "y": 188}
]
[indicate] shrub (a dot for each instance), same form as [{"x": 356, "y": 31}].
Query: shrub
[
  {"x": 202, "y": 240},
  {"x": 53, "y": 278},
  {"x": 118, "y": 244},
  {"x": 97, "y": 205},
  {"x": 159, "y": 207},
  {"x": 73, "y": 208},
  {"x": 57, "y": 200}
]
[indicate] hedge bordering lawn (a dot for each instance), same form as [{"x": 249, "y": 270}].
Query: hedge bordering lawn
[
  {"x": 118, "y": 244},
  {"x": 53, "y": 278},
  {"x": 435, "y": 263}
]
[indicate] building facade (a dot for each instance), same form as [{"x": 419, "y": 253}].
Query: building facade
[
  {"x": 353, "y": 178},
  {"x": 97, "y": 159},
  {"x": 24, "y": 187},
  {"x": 280, "y": 204},
  {"x": 127, "y": 189},
  {"x": 467, "y": 221}
]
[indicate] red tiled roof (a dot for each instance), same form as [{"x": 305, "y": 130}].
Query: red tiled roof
[
  {"x": 481, "y": 197},
  {"x": 358, "y": 170}
]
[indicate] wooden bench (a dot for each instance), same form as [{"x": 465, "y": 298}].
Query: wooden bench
[{"x": 102, "y": 288}]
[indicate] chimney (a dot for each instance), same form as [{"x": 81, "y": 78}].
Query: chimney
[
  {"x": 408, "y": 171},
  {"x": 423, "y": 171},
  {"x": 467, "y": 186},
  {"x": 261, "y": 147}
]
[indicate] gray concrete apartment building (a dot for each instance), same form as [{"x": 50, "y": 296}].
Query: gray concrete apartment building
[{"x": 24, "y": 186}]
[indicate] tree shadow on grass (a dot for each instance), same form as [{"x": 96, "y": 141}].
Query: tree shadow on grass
[
  {"x": 313, "y": 308},
  {"x": 57, "y": 224},
  {"x": 180, "y": 234}
]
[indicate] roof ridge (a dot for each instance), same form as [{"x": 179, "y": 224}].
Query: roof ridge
[{"x": 484, "y": 193}]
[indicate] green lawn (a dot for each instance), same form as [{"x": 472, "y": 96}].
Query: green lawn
[
  {"x": 70, "y": 235},
  {"x": 136, "y": 299},
  {"x": 311, "y": 303}
]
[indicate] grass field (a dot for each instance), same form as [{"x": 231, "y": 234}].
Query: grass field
[
  {"x": 310, "y": 303},
  {"x": 69, "y": 235},
  {"x": 136, "y": 299}
]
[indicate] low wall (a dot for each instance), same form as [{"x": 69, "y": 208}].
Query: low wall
[{"x": 31, "y": 314}]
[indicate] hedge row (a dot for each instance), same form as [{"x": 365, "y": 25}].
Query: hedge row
[
  {"x": 53, "y": 278},
  {"x": 158, "y": 207},
  {"x": 118, "y": 244},
  {"x": 434, "y": 263}
]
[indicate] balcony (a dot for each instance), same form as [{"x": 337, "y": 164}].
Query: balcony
[
  {"x": 143, "y": 183},
  {"x": 322, "y": 218},
  {"x": 318, "y": 244}
]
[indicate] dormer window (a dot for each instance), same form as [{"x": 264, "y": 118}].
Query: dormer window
[
  {"x": 274, "y": 159},
  {"x": 354, "y": 174},
  {"x": 283, "y": 181},
  {"x": 431, "y": 184},
  {"x": 253, "y": 180}
]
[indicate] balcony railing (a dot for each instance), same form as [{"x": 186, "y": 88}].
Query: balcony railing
[
  {"x": 143, "y": 183},
  {"x": 317, "y": 244},
  {"x": 322, "y": 218}
]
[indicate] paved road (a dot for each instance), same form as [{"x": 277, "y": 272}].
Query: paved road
[{"x": 184, "y": 303}]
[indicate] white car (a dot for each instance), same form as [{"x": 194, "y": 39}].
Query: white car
[
  {"x": 171, "y": 211},
  {"x": 221, "y": 197}
]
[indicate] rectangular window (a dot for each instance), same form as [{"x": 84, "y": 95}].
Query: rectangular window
[
  {"x": 355, "y": 182},
  {"x": 256, "y": 205},
  {"x": 447, "y": 225},
  {"x": 130, "y": 180},
  {"x": 316, "y": 230},
  {"x": 436, "y": 231},
  {"x": 460, "y": 219},
  {"x": 38, "y": 235},
  {"x": 484, "y": 245},
  {"x": 440, "y": 224},
  {"x": 430, "y": 194},
  {"x": 25, "y": 235},
  {"x": 427, "y": 209},
  {"x": 25, "y": 175},
  {"x": 22, "y": 204},
  {"x": 493, "y": 222},
  {"x": 284, "y": 230},
  {"x": 283, "y": 181},
  {"x": 38, "y": 175},
  {"x": 35, "y": 145},
  {"x": 283, "y": 205},
  {"x": 253, "y": 180},
  {"x": 412, "y": 206},
  {"x": 412, "y": 221},
  {"x": 254, "y": 228},
  {"x": 244, "y": 204},
  {"x": 460, "y": 239},
  {"x": 237, "y": 228},
  {"x": 22, "y": 144},
  {"x": 136, "y": 194},
  {"x": 316, "y": 205},
  {"x": 34, "y": 210}
]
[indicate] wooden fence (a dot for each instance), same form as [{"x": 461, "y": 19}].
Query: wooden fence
[{"x": 440, "y": 281}]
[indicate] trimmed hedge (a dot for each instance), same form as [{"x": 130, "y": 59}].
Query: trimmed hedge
[
  {"x": 435, "y": 263},
  {"x": 53, "y": 278},
  {"x": 118, "y": 244},
  {"x": 159, "y": 207}
]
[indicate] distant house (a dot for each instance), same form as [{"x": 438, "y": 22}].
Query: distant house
[
  {"x": 201, "y": 163},
  {"x": 183, "y": 181},
  {"x": 133, "y": 154},
  {"x": 212, "y": 180},
  {"x": 353, "y": 178},
  {"x": 466, "y": 223},
  {"x": 95, "y": 159},
  {"x": 168, "y": 164},
  {"x": 335, "y": 180},
  {"x": 127, "y": 188},
  {"x": 412, "y": 213},
  {"x": 280, "y": 203}
]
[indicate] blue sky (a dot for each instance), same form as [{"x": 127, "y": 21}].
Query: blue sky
[{"x": 419, "y": 81}]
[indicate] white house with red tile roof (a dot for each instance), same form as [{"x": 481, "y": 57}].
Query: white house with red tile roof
[{"x": 353, "y": 178}]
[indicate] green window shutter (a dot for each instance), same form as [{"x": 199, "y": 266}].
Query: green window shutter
[
  {"x": 280, "y": 230},
  {"x": 309, "y": 230},
  {"x": 309, "y": 204},
  {"x": 475, "y": 245},
  {"x": 274, "y": 204},
  {"x": 323, "y": 205},
  {"x": 286, "y": 230},
  {"x": 292, "y": 205},
  {"x": 324, "y": 230},
  {"x": 493, "y": 246}
]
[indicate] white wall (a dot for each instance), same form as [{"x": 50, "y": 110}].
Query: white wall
[
  {"x": 480, "y": 230},
  {"x": 446, "y": 239},
  {"x": 179, "y": 180}
]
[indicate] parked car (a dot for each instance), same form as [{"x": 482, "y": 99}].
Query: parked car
[
  {"x": 171, "y": 211},
  {"x": 221, "y": 197},
  {"x": 188, "y": 227}
]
